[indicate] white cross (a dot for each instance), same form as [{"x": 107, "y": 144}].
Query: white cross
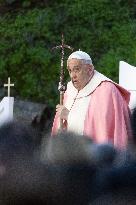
[{"x": 8, "y": 85}]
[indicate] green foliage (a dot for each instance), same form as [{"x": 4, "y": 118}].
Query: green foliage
[{"x": 106, "y": 30}]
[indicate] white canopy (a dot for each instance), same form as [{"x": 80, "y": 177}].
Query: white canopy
[{"x": 127, "y": 79}]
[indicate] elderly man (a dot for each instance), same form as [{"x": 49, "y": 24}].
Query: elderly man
[{"x": 94, "y": 105}]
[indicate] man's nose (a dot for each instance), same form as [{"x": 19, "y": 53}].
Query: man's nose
[{"x": 72, "y": 74}]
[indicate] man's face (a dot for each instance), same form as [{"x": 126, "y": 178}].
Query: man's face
[{"x": 79, "y": 73}]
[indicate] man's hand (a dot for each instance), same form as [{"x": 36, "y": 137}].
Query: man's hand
[{"x": 62, "y": 111}]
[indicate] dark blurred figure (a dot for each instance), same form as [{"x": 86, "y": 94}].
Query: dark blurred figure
[
  {"x": 133, "y": 123},
  {"x": 20, "y": 167},
  {"x": 43, "y": 121},
  {"x": 116, "y": 186},
  {"x": 76, "y": 163},
  {"x": 68, "y": 147},
  {"x": 18, "y": 140}
]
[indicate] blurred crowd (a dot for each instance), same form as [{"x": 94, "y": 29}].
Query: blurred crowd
[{"x": 64, "y": 169}]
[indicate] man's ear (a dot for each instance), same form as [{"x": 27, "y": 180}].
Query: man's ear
[{"x": 90, "y": 68}]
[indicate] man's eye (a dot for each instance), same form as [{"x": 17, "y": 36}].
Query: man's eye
[{"x": 77, "y": 69}]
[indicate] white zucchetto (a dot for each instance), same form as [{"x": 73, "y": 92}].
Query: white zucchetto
[{"x": 81, "y": 55}]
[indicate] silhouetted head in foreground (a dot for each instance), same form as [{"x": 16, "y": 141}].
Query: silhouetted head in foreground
[{"x": 17, "y": 139}]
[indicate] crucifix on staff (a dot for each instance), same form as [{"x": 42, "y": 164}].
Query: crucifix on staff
[{"x": 62, "y": 87}]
